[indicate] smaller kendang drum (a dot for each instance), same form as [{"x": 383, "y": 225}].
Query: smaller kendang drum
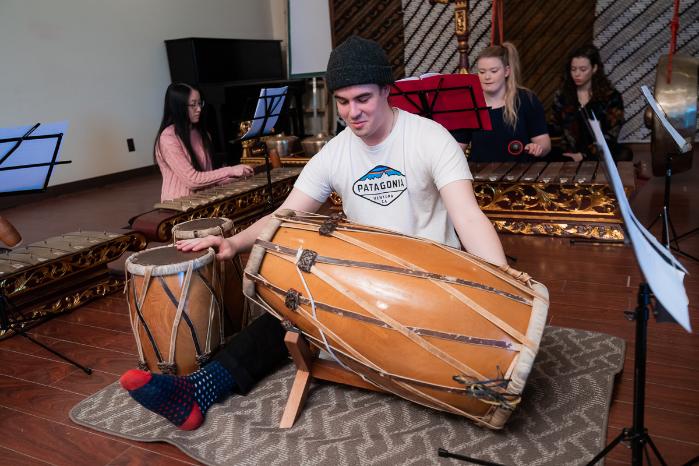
[
  {"x": 424, "y": 321},
  {"x": 230, "y": 272},
  {"x": 175, "y": 308}
]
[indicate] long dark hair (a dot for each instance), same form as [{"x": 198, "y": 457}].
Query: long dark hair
[
  {"x": 601, "y": 86},
  {"x": 176, "y": 112}
]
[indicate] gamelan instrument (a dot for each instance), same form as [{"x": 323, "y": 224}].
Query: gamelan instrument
[
  {"x": 242, "y": 201},
  {"x": 421, "y": 320},
  {"x": 230, "y": 272},
  {"x": 678, "y": 99},
  {"x": 567, "y": 199},
  {"x": 174, "y": 300},
  {"x": 60, "y": 273}
]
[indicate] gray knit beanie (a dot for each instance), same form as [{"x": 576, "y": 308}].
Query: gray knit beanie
[{"x": 357, "y": 61}]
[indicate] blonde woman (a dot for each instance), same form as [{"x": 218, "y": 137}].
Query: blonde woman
[{"x": 519, "y": 125}]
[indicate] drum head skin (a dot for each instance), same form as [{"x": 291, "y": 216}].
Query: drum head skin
[
  {"x": 201, "y": 227},
  {"x": 166, "y": 260}
]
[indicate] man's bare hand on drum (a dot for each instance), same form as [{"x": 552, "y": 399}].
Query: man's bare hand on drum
[{"x": 224, "y": 249}]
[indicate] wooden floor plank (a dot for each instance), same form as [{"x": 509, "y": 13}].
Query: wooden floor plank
[
  {"x": 39, "y": 400},
  {"x": 10, "y": 457},
  {"x": 117, "y": 322},
  {"x": 55, "y": 443},
  {"x": 32, "y": 368},
  {"x": 95, "y": 337}
]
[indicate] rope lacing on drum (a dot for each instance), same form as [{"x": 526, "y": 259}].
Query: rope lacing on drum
[
  {"x": 490, "y": 391},
  {"x": 330, "y": 224},
  {"x": 305, "y": 258}
]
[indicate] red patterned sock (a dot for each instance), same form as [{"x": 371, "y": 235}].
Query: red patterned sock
[{"x": 167, "y": 395}]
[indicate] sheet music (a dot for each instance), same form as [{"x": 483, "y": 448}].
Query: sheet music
[
  {"x": 27, "y": 153},
  {"x": 664, "y": 273},
  {"x": 269, "y": 103},
  {"x": 681, "y": 142}
]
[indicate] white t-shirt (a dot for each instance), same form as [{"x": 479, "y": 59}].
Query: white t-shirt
[{"x": 395, "y": 184}]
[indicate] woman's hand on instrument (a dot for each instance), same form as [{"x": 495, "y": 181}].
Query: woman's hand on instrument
[
  {"x": 576, "y": 156},
  {"x": 240, "y": 171},
  {"x": 224, "y": 249},
  {"x": 534, "y": 149}
]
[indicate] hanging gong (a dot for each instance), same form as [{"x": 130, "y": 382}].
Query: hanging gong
[{"x": 678, "y": 100}]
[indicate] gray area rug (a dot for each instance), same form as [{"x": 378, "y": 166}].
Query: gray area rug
[{"x": 562, "y": 419}]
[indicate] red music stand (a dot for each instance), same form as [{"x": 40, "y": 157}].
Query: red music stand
[{"x": 456, "y": 101}]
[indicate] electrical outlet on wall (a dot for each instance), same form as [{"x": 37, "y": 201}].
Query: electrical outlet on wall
[{"x": 130, "y": 145}]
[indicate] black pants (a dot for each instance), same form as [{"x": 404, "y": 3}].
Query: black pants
[{"x": 254, "y": 352}]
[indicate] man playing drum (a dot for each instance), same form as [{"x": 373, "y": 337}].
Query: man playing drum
[{"x": 392, "y": 169}]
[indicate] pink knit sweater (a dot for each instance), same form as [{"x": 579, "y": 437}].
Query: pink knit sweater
[{"x": 179, "y": 176}]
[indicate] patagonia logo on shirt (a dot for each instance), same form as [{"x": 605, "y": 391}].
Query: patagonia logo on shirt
[{"x": 381, "y": 185}]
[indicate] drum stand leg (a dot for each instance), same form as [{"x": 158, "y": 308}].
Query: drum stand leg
[
  {"x": 309, "y": 367},
  {"x": 6, "y": 325}
]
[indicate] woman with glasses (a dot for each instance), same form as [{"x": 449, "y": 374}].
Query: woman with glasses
[{"x": 183, "y": 146}]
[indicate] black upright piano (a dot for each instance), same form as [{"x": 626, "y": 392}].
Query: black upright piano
[{"x": 230, "y": 74}]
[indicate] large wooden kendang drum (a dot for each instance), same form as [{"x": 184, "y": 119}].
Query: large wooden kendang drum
[
  {"x": 424, "y": 321},
  {"x": 175, "y": 308},
  {"x": 231, "y": 272}
]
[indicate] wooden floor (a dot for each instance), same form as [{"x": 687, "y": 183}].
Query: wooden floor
[{"x": 590, "y": 285}]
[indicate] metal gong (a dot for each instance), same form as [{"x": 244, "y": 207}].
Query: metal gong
[{"x": 678, "y": 100}]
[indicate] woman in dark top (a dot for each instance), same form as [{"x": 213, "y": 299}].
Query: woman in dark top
[
  {"x": 585, "y": 86},
  {"x": 519, "y": 125}
]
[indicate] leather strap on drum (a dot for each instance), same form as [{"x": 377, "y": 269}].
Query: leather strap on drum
[
  {"x": 412, "y": 269},
  {"x": 312, "y": 257},
  {"x": 184, "y": 293},
  {"x": 138, "y": 303},
  {"x": 293, "y": 299}
]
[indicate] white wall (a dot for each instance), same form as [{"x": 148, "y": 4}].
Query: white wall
[{"x": 102, "y": 66}]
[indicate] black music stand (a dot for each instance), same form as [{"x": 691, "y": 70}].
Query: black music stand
[
  {"x": 269, "y": 107},
  {"x": 29, "y": 178},
  {"x": 664, "y": 275}
]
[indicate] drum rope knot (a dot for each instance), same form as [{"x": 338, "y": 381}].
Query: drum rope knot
[
  {"x": 330, "y": 224},
  {"x": 305, "y": 259},
  {"x": 167, "y": 368},
  {"x": 291, "y": 299},
  {"x": 490, "y": 391}
]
